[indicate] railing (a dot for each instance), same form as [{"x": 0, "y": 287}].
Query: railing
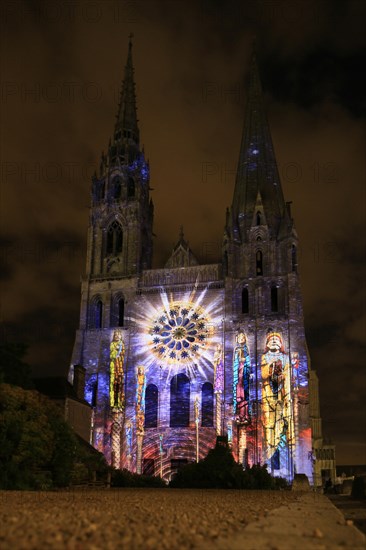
[{"x": 182, "y": 275}]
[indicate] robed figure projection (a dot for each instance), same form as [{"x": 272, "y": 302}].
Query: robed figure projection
[
  {"x": 242, "y": 372},
  {"x": 276, "y": 401},
  {"x": 140, "y": 400},
  {"x": 116, "y": 366}
]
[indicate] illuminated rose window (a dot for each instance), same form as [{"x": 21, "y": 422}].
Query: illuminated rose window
[{"x": 179, "y": 334}]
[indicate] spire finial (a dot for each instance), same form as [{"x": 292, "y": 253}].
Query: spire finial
[{"x": 181, "y": 233}]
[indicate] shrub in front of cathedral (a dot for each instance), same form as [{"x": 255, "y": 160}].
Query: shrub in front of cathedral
[{"x": 219, "y": 470}]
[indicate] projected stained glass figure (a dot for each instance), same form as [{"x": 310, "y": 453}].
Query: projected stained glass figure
[
  {"x": 140, "y": 400},
  {"x": 295, "y": 364},
  {"x": 241, "y": 377},
  {"x": 218, "y": 384},
  {"x": 128, "y": 439},
  {"x": 218, "y": 370},
  {"x": 140, "y": 414},
  {"x": 116, "y": 357},
  {"x": 276, "y": 401}
]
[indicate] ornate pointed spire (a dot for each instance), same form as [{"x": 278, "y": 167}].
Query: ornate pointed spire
[
  {"x": 127, "y": 115},
  {"x": 257, "y": 168},
  {"x": 182, "y": 255}
]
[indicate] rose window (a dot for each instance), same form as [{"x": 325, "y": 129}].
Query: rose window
[{"x": 178, "y": 335}]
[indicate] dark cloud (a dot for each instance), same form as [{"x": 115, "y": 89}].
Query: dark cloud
[
  {"x": 319, "y": 75},
  {"x": 61, "y": 73},
  {"x": 46, "y": 331}
]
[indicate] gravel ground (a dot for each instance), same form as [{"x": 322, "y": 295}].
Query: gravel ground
[{"x": 130, "y": 518}]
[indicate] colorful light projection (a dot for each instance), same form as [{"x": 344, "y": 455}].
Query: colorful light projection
[
  {"x": 183, "y": 333},
  {"x": 128, "y": 439},
  {"x": 140, "y": 414},
  {"x": 266, "y": 435},
  {"x": 230, "y": 433},
  {"x": 197, "y": 421},
  {"x": 241, "y": 379},
  {"x": 171, "y": 333},
  {"x": 277, "y": 414},
  {"x": 218, "y": 370},
  {"x": 91, "y": 389},
  {"x": 295, "y": 364},
  {"x": 116, "y": 394},
  {"x": 116, "y": 427},
  {"x": 179, "y": 332},
  {"x": 116, "y": 365},
  {"x": 218, "y": 384},
  {"x": 241, "y": 396},
  {"x": 140, "y": 400}
]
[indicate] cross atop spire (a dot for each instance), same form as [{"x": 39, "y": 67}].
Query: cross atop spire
[{"x": 257, "y": 167}]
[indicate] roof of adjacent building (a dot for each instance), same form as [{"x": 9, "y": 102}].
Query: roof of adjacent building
[{"x": 57, "y": 388}]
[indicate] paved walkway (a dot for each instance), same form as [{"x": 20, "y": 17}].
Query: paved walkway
[
  {"x": 168, "y": 519},
  {"x": 312, "y": 523}
]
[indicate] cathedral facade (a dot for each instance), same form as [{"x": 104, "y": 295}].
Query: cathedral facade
[{"x": 175, "y": 357}]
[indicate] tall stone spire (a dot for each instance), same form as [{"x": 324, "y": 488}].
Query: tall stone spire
[
  {"x": 257, "y": 169},
  {"x": 126, "y": 119}
]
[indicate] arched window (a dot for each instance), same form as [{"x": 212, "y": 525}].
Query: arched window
[
  {"x": 245, "y": 300},
  {"x": 293, "y": 258},
  {"x": 114, "y": 239},
  {"x": 151, "y": 406},
  {"x": 275, "y": 460},
  {"x": 130, "y": 188},
  {"x": 179, "y": 401},
  {"x": 117, "y": 187},
  {"x": 207, "y": 405},
  {"x": 274, "y": 299},
  {"x": 259, "y": 262},
  {"x": 117, "y": 311},
  {"x": 258, "y": 218},
  {"x": 98, "y": 314},
  {"x": 91, "y": 390}
]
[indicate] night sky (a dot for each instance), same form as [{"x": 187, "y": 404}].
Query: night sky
[{"x": 61, "y": 70}]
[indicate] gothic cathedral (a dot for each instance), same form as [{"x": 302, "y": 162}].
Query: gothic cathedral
[{"x": 175, "y": 357}]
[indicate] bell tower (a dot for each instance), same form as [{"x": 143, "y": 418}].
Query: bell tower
[
  {"x": 263, "y": 297},
  {"x": 119, "y": 242},
  {"x": 121, "y": 215}
]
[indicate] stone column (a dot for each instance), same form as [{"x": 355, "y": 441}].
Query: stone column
[
  {"x": 218, "y": 413},
  {"x": 116, "y": 438},
  {"x": 140, "y": 440},
  {"x": 242, "y": 441},
  {"x": 196, "y": 420}
]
